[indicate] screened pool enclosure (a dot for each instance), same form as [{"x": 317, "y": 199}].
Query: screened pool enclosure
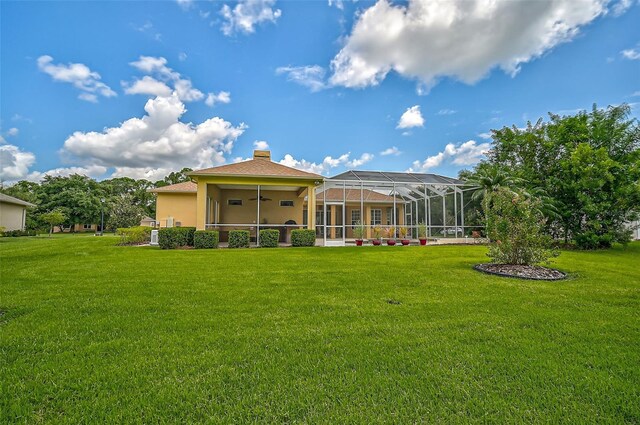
[{"x": 387, "y": 203}]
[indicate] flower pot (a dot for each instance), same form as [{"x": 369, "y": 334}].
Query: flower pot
[
  {"x": 391, "y": 242},
  {"x": 377, "y": 242},
  {"x": 405, "y": 242},
  {"x": 423, "y": 241},
  {"x": 358, "y": 242}
]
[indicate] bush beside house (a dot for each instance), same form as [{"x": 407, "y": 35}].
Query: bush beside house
[
  {"x": 134, "y": 235},
  {"x": 303, "y": 237},
  {"x": 239, "y": 239},
  {"x": 269, "y": 238},
  {"x": 174, "y": 237},
  {"x": 206, "y": 239}
]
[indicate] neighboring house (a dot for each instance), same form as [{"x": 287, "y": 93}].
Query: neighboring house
[
  {"x": 79, "y": 228},
  {"x": 258, "y": 194},
  {"x": 634, "y": 226},
  {"x": 148, "y": 222},
  {"x": 13, "y": 212}
]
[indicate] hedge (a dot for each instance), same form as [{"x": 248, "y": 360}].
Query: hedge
[
  {"x": 303, "y": 237},
  {"x": 134, "y": 235},
  {"x": 174, "y": 237},
  {"x": 206, "y": 239},
  {"x": 238, "y": 239},
  {"x": 17, "y": 233},
  {"x": 269, "y": 238}
]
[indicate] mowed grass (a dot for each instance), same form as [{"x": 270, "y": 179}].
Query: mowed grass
[{"x": 96, "y": 333}]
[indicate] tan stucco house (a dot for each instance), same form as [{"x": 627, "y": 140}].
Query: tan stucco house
[
  {"x": 259, "y": 194},
  {"x": 13, "y": 212}
]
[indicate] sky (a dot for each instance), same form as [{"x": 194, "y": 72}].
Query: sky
[{"x": 143, "y": 88}]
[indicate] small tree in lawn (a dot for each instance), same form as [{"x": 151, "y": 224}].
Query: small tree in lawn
[
  {"x": 53, "y": 218},
  {"x": 124, "y": 213},
  {"x": 515, "y": 226}
]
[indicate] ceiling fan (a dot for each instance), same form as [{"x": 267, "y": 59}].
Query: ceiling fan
[{"x": 262, "y": 198}]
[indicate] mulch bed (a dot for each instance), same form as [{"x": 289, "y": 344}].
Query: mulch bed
[{"x": 521, "y": 272}]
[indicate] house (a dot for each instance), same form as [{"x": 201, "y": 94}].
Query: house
[
  {"x": 261, "y": 194},
  {"x": 148, "y": 222},
  {"x": 13, "y": 212}
]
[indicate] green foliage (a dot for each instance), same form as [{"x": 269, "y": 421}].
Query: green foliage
[
  {"x": 206, "y": 239},
  {"x": 515, "y": 228},
  {"x": 18, "y": 233},
  {"x": 238, "y": 239},
  {"x": 269, "y": 238},
  {"x": 53, "y": 218},
  {"x": 123, "y": 212},
  {"x": 175, "y": 237},
  {"x": 358, "y": 231},
  {"x": 422, "y": 231},
  {"x": 134, "y": 235},
  {"x": 303, "y": 237},
  {"x": 175, "y": 178},
  {"x": 588, "y": 165}
]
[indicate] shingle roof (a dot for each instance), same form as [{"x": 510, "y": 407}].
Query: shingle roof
[
  {"x": 11, "y": 200},
  {"x": 186, "y": 187},
  {"x": 256, "y": 167},
  {"x": 337, "y": 194}
]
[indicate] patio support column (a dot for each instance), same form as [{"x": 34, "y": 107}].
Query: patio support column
[
  {"x": 367, "y": 219},
  {"x": 444, "y": 214},
  {"x": 201, "y": 205},
  {"x": 455, "y": 208},
  {"x": 395, "y": 230},
  {"x": 333, "y": 222},
  {"x": 462, "y": 211},
  {"x": 311, "y": 207},
  {"x": 362, "y": 204},
  {"x": 258, "y": 219},
  {"x": 426, "y": 211},
  {"x": 429, "y": 210}
]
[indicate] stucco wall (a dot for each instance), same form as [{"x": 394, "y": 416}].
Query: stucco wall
[
  {"x": 180, "y": 206},
  {"x": 12, "y": 216},
  {"x": 270, "y": 211}
]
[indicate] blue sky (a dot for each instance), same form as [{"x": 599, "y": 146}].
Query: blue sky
[{"x": 144, "y": 88}]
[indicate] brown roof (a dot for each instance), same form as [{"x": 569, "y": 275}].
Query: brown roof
[
  {"x": 256, "y": 167},
  {"x": 186, "y": 187},
  {"x": 353, "y": 195}
]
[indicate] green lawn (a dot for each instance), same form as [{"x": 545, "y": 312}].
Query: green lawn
[{"x": 92, "y": 332}]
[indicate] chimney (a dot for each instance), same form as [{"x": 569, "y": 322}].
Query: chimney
[{"x": 262, "y": 155}]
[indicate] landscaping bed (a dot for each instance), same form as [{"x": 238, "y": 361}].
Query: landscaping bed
[{"x": 520, "y": 271}]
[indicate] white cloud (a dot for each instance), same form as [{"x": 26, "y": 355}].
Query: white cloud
[
  {"x": 79, "y": 75},
  {"x": 311, "y": 76},
  {"x": 182, "y": 56},
  {"x": 412, "y": 117},
  {"x": 157, "y": 142},
  {"x": 148, "y": 29},
  {"x": 247, "y": 14},
  {"x": 467, "y": 153},
  {"x": 486, "y": 136},
  {"x": 147, "y": 85},
  {"x": 631, "y": 54},
  {"x": 621, "y": 7},
  {"x": 13, "y": 131},
  {"x": 222, "y": 97},
  {"x": 260, "y": 145},
  {"x": 161, "y": 77},
  {"x": 91, "y": 171},
  {"x": 447, "y": 112},
  {"x": 391, "y": 151},
  {"x": 185, "y": 4},
  {"x": 463, "y": 39},
  {"x": 14, "y": 163},
  {"x": 337, "y": 3},
  {"x": 636, "y": 94},
  {"x": 327, "y": 163}
]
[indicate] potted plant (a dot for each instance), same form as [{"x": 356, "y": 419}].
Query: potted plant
[
  {"x": 422, "y": 234},
  {"x": 377, "y": 233},
  {"x": 403, "y": 232},
  {"x": 391, "y": 236},
  {"x": 358, "y": 233}
]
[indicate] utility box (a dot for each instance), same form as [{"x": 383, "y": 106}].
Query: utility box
[{"x": 154, "y": 238}]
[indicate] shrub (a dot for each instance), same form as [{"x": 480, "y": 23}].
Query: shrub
[
  {"x": 269, "y": 238},
  {"x": 18, "y": 233},
  {"x": 239, "y": 239},
  {"x": 515, "y": 227},
  {"x": 134, "y": 235},
  {"x": 206, "y": 239},
  {"x": 174, "y": 237},
  {"x": 303, "y": 237}
]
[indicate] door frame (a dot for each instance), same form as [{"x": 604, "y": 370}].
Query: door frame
[{"x": 328, "y": 227}]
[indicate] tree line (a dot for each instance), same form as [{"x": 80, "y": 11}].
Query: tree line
[
  {"x": 583, "y": 170},
  {"x": 78, "y": 199}
]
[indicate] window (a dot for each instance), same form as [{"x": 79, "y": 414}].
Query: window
[
  {"x": 286, "y": 203},
  {"x": 355, "y": 218},
  {"x": 234, "y": 202},
  {"x": 86, "y": 226},
  {"x": 390, "y": 216},
  {"x": 376, "y": 217}
]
